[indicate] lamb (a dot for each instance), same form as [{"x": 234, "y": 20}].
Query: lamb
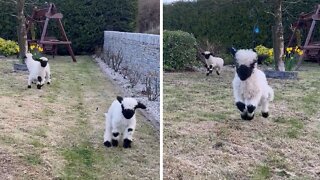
[
  {"x": 121, "y": 120},
  {"x": 212, "y": 62},
  {"x": 250, "y": 86},
  {"x": 39, "y": 71}
]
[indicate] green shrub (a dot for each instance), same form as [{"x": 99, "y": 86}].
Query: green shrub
[
  {"x": 83, "y": 21},
  {"x": 8, "y": 47},
  {"x": 179, "y": 50},
  {"x": 267, "y": 52}
]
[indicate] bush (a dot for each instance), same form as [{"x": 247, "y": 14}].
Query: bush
[
  {"x": 84, "y": 23},
  {"x": 179, "y": 51},
  {"x": 267, "y": 52},
  {"x": 8, "y": 47},
  {"x": 231, "y": 22}
]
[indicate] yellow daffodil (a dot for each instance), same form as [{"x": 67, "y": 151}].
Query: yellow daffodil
[
  {"x": 270, "y": 52},
  {"x": 32, "y": 47},
  {"x": 40, "y": 49}
]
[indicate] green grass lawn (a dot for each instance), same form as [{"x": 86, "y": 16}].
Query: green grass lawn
[
  {"x": 57, "y": 132},
  {"x": 205, "y": 138}
]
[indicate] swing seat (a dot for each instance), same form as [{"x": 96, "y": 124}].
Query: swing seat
[
  {"x": 54, "y": 16},
  {"x": 53, "y": 42}
]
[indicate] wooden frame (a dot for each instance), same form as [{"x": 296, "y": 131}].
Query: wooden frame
[{"x": 43, "y": 17}]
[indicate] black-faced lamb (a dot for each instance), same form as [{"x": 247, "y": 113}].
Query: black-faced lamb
[
  {"x": 39, "y": 71},
  {"x": 250, "y": 86},
  {"x": 121, "y": 121},
  {"x": 212, "y": 62}
]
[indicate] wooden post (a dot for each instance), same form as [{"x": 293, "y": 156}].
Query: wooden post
[
  {"x": 307, "y": 40},
  {"x": 65, "y": 38},
  {"x": 278, "y": 37}
]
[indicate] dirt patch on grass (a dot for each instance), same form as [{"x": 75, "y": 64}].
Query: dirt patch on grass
[
  {"x": 57, "y": 132},
  {"x": 204, "y": 136}
]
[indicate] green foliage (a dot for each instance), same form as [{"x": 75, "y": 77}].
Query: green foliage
[
  {"x": 179, "y": 50},
  {"x": 291, "y": 57},
  {"x": 8, "y": 23},
  {"x": 262, "y": 172},
  {"x": 84, "y": 21},
  {"x": 267, "y": 52},
  {"x": 8, "y": 47},
  {"x": 231, "y": 22}
]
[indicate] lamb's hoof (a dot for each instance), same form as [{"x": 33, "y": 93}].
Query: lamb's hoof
[
  {"x": 246, "y": 117},
  {"x": 249, "y": 118},
  {"x": 208, "y": 74},
  {"x": 107, "y": 144},
  {"x": 265, "y": 114},
  {"x": 217, "y": 72},
  {"x": 48, "y": 82},
  {"x": 127, "y": 143},
  {"x": 29, "y": 86},
  {"x": 241, "y": 106},
  {"x": 38, "y": 86},
  {"x": 114, "y": 142}
]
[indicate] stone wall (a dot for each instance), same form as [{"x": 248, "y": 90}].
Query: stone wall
[{"x": 140, "y": 51}]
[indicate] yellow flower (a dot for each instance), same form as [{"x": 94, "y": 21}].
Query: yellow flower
[
  {"x": 270, "y": 52},
  {"x": 40, "y": 49},
  {"x": 300, "y": 53},
  {"x": 18, "y": 49},
  {"x": 32, "y": 47}
]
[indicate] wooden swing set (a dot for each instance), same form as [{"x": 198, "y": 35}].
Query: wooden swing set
[
  {"x": 311, "y": 48},
  {"x": 40, "y": 18}
]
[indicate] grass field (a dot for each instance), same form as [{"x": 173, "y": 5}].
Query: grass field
[
  {"x": 57, "y": 132},
  {"x": 205, "y": 138}
]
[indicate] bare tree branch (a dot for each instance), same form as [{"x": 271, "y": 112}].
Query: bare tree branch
[{"x": 268, "y": 12}]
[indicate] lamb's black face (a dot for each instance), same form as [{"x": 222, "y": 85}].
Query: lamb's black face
[
  {"x": 127, "y": 113},
  {"x": 244, "y": 72},
  {"x": 207, "y": 55},
  {"x": 43, "y": 63}
]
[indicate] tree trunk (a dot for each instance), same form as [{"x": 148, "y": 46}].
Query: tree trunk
[
  {"x": 278, "y": 37},
  {"x": 22, "y": 31}
]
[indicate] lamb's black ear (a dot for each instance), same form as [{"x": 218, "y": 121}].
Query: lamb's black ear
[
  {"x": 233, "y": 51},
  {"x": 120, "y": 99},
  {"x": 140, "y": 105},
  {"x": 253, "y": 63},
  {"x": 211, "y": 54},
  {"x": 261, "y": 58},
  {"x": 202, "y": 53}
]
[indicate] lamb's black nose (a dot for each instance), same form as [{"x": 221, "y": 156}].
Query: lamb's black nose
[{"x": 244, "y": 72}]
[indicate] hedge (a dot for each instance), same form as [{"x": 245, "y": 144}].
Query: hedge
[
  {"x": 232, "y": 22},
  {"x": 179, "y": 50},
  {"x": 84, "y": 21},
  {"x": 8, "y": 47}
]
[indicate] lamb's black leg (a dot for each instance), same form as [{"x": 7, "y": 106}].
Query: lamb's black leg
[
  {"x": 241, "y": 106},
  {"x": 107, "y": 144},
  {"x": 250, "y": 109},
  {"x": 114, "y": 141},
  {"x": 127, "y": 143},
  {"x": 265, "y": 114}
]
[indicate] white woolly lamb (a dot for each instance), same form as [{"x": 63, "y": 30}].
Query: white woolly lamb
[
  {"x": 212, "y": 62},
  {"x": 121, "y": 120},
  {"x": 39, "y": 71},
  {"x": 250, "y": 86}
]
